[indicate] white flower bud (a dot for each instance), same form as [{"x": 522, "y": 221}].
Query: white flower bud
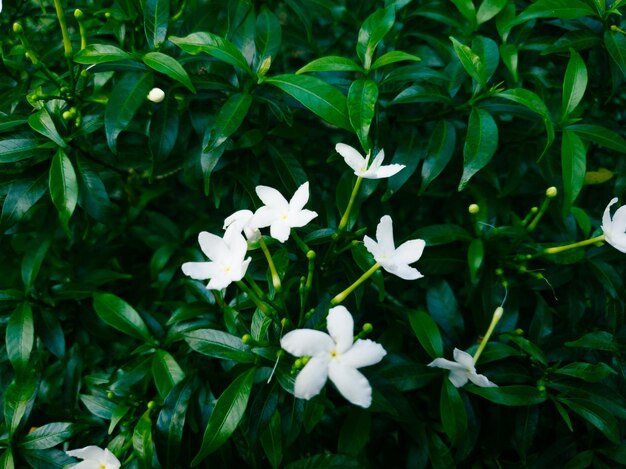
[{"x": 156, "y": 95}]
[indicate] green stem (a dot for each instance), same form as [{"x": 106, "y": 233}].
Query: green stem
[
  {"x": 301, "y": 244},
  {"x": 67, "y": 44},
  {"x": 342, "y": 296},
  {"x": 557, "y": 249},
  {"x": 270, "y": 262},
  {"x": 542, "y": 210},
  {"x": 179, "y": 13},
  {"x": 253, "y": 296},
  {"x": 494, "y": 321},
  {"x": 346, "y": 215}
]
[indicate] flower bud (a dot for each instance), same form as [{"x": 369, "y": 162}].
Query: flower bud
[
  {"x": 17, "y": 28},
  {"x": 79, "y": 15},
  {"x": 246, "y": 338},
  {"x": 519, "y": 331},
  {"x": 305, "y": 360},
  {"x": 497, "y": 314},
  {"x": 151, "y": 405},
  {"x": 67, "y": 115},
  {"x": 107, "y": 14},
  {"x": 551, "y": 192},
  {"x": 264, "y": 67},
  {"x": 156, "y": 95},
  {"x": 473, "y": 209},
  {"x": 284, "y": 322},
  {"x": 367, "y": 328},
  {"x": 310, "y": 255},
  {"x": 534, "y": 209},
  {"x": 298, "y": 363},
  {"x": 84, "y": 73},
  {"x": 110, "y": 395},
  {"x": 499, "y": 272}
]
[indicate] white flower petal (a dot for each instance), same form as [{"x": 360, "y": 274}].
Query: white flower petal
[
  {"x": 463, "y": 359},
  {"x": 309, "y": 342},
  {"x": 280, "y": 230},
  {"x": 239, "y": 270},
  {"x": 410, "y": 251},
  {"x": 200, "y": 270},
  {"x": 481, "y": 380},
  {"x": 619, "y": 221},
  {"x": 300, "y": 198},
  {"x": 458, "y": 378},
  {"x": 384, "y": 235},
  {"x": 219, "y": 281},
  {"x": 240, "y": 217},
  {"x": 264, "y": 216},
  {"x": 340, "y": 326},
  {"x": 371, "y": 246},
  {"x": 403, "y": 271},
  {"x": 618, "y": 242},
  {"x": 351, "y": 156},
  {"x": 212, "y": 246},
  {"x": 272, "y": 198},
  {"x": 388, "y": 170},
  {"x": 606, "y": 217},
  {"x": 378, "y": 161},
  {"x": 363, "y": 353},
  {"x": 301, "y": 218},
  {"x": 110, "y": 460},
  {"x": 88, "y": 452},
  {"x": 351, "y": 384},
  {"x": 445, "y": 364},
  {"x": 89, "y": 464},
  {"x": 312, "y": 378}
]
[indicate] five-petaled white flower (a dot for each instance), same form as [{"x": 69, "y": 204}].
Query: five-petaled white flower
[
  {"x": 243, "y": 220},
  {"x": 360, "y": 164},
  {"x": 462, "y": 369},
  {"x": 615, "y": 229},
  {"x": 395, "y": 261},
  {"x": 227, "y": 259},
  {"x": 334, "y": 356},
  {"x": 94, "y": 458},
  {"x": 281, "y": 215}
]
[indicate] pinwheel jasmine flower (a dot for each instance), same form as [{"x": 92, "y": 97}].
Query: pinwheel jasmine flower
[
  {"x": 243, "y": 220},
  {"x": 94, "y": 458},
  {"x": 334, "y": 356},
  {"x": 360, "y": 164},
  {"x": 227, "y": 259},
  {"x": 281, "y": 215},
  {"x": 462, "y": 369},
  {"x": 395, "y": 261},
  {"x": 615, "y": 229}
]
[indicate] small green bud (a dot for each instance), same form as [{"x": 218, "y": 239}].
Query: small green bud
[
  {"x": 522, "y": 269},
  {"x": 246, "y": 338},
  {"x": 84, "y": 73},
  {"x": 519, "y": 331},
  {"x": 264, "y": 67},
  {"x": 151, "y": 405},
  {"x": 65, "y": 89},
  {"x": 355, "y": 242},
  {"x": 79, "y": 15},
  {"x": 310, "y": 255},
  {"x": 78, "y": 121},
  {"x": 551, "y": 192},
  {"x": 107, "y": 14},
  {"x": 541, "y": 388},
  {"x": 335, "y": 236},
  {"x": 614, "y": 28},
  {"x": 110, "y": 395},
  {"x": 284, "y": 322},
  {"x": 67, "y": 115},
  {"x": 505, "y": 283},
  {"x": 367, "y": 328},
  {"x": 473, "y": 209},
  {"x": 499, "y": 272},
  {"x": 534, "y": 209},
  {"x": 298, "y": 363},
  {"x": 30, "y": 56},
  {"x": 17, "y": 28},
  {"x": 305, "y": 360},
  {"x": 539, "y": 276}
]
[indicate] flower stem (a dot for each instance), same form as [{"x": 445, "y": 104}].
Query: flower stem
[
  {"x": 342, "y": 296},
  {"x": 253, "y": 296},
  {"x": 557, "y": 249},
  {"x": 301, "y": 244},
  {"x": 270, "y": 262},
  {"x": 542, "y": 210},
  {"x": 67, "y": 44},
  {"x": 497, "y": 314},
  {"x": 346, "y": 215}
]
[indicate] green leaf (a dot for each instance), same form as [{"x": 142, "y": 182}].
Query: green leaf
[
  {"x": 475, "y": 257},
  {"x": 20, "y": 336},
  {"x": 42, "y": 123},
  {"x": 615, "y": 43},
  {"x": 592, "y": 373},
  {"x": 271, "y": 440},
  {"x": 481, "y": 144},
  {"x": 48, "y": 436},
  {"x": 166, "y": 371},
  {"x": 6, "y": 460},
  {"x": 18, "y": 149},
  {"x": 156, "y": 16},
  {"x": 468, "y": 10},
  {"x": 527, "y": 346},
  {"x": 63, "y": 187},
  {"x": 562, "y": 9},
  {"x": 142, "y": 441},
  {"x": 578, "y": 40},
  {"x": 600, "y": 135},
  {"x": 93, "y": 196},
  {"x": 393, "y": 57},
  {"x": 331, "y": 64},
  {"x": 23, "y": 194},
  {"x": 599, "y": 340},
  {"x": 100, "y": 53},
  {"x": 121, "y": 316},
  {"x": 373, "y": 30},
  {"x": 163, "y": 130},
  {"x": 444, "y": 309},
  {"x": 215, "y": 46},
  {"x": 168, "y": 66},
  {"x": 574, "y": 83},
  {"x": 427, "y": 332},
  {"x": 471, "y": 62},
  {"x": 362, "y": 97},
  {"x": 171, "y": 423},
  {"x": 219, "y": 344},
  {"x": 228, "y": 412},
  {"x": 19, "y": 398},
  {"x": 228, "y": 120},
  {"x": 325, "y": 461},
  {"x": 574, "y": 166},
  {"x": 98, "y": 406},
  {"x": 31, "y": 262},
  {"x": 435, "y": 235},
  {"x": 116, "y": 417},
  {"x": 126, "y": 98},
  {"x": 533, "y": 102},
  {"x": 510, "y": 57},
  {"x": 488, "y": 9},
  {"x": 596, "y": 415},
  {"x": 268, "y": 34},
  {"x": 453, "y": 414},
  {"x": 355, "y": 432},
  {"x": 517, "y": 395},
  {"x": 316, "y": 95},
  {"x": 440, "y": 150}
]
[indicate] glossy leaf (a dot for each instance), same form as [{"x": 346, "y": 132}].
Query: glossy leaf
[
  {"x": 393, "y": 57},
  {"x": 481, "y": 144},
  {"x": 163, "y": 131},
  {"x": 562, "y": 9},
  {"x": 362, "y": 97},
  {"x": 171, "y": 423},
  {"x": 615, "y": 43},
  {"x": 48, "y": 436},
  {"x": 168, "y": 66},
  {"x": 471, "y": 62},
  {"x": 268, "y": 34},
  {"x": 373, "y": 30},
  {"x": 100, "y": 53},
  {"x": 142, "y": 441},
  {"x": 589, "y": 372},
  {"x": 19, "y": 398},
  {"x": 516, "y": 395},
  {"x": 452, "y": 409},
  {"x": 213, "y": 45},
  {"x": 42, "y": 123},
  {"x": 271, "y": 440},
  {"x": 229, "y": 118},
  {"x": 475, "y": 258},
  {"x": 574, "y": 84},
  {"x": 468, "y": 10},
  {"x": 156, "y": 16},
  {"x": 166, "y": 371},
  {"x": 427, "y": 332},
  {"x": 120, "y": 315},
  {"x": 440, "y": 150},
  {"x": 596, "y": 415},
  {"x": 20, "y": 336},
  {"x": 18, "y": 149},
  {"x": 23, "y": 194},
  {"x": 63, "y": 187},
  {"x": 600, "y": 135},
  {"x": 488, "y": 9},
  {"x": 574, "y": 166},
  {"x": 219, "y": 344},
  {"x": 331, "y": 64}
]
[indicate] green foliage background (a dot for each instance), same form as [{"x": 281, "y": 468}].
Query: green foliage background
[{"x": 103, "y": 194}]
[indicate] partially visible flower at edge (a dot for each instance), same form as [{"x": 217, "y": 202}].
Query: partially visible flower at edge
[
  {"x": 615, "y": 228},
  {"x": 227, "y": 259},
  {"x": 462, "y": 369},
  {"x": 359, "y": 164},
  {"x": 156, "y": 95},
  {"x": 94, "y": 458},
  {"x": 395, "y": 260},
  {"x": 281, "y": 215},
  {"x": 334, "y": 356},
  {"x": 243, "y": 220}
]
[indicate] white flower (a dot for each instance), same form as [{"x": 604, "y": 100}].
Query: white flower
[
  {"x": 359, "y": 164},
  {"x": 281, "y": 215},
  {"x": 227, "y": 259},
  {"x": 615, "y": 229},
  {"x": 156, "y": 95},
  {"x": 334, "y": 356},
  {"x": 94, "y": 458},
  {"x": 462, "y": 369},
  {"x": 395, "y": 261},
  {"x": 243, "y": 220}
]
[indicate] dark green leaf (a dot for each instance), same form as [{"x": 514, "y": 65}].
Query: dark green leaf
[
  {"x": 615, "y": 43},
  {"x": 563, "y": 9},
  {"x": 163, "y": 130},
  {"x": 596, "y": 415},
  {"x": 435, "y": 235},
  {"x": 142, "y": 441},
  {"x": 18, "y": 149},
  {"x": 574, "y": 166},
  {"x": 574, "y": 83},
  {"x": 373, "y": 30},
  {"x": 100, "y": 53},
  {"x": 120, "y": 315},
  {"x": 452, "y": 409},
  {"x": 362, "y": 97},
  {"x": 48, "y": 436},
  {"x": 171, "y": 422},
  {"x": 228, "y": 120},
  {"x": 591, "y": 373},
  {"x": 325, "y": 461},
  {"x": 19, "y": 398},
  {"x": 517, "y": 395},
  {"x": 213, "y": 45},
  {"x": 168, "y": 66},
  {"x": 480, "y": 145},
  {"x": 355, "y": 432},
  {"x": 488, "y": 9},
  {"x": 20, "y": 336},
  {"x": 23, "y": 194},
  {"x": 271, "y": 440},
  {"x": 98, "y": 406},
  {"x": 475, "y": 257},
  {"x": 393, "y": 57},
  {"x": 219, "y": 344},
  {"x": 6, "y": 459},
  {"x": 468, "y": 10},
  {"x": 228, "y": 412},
  {"x": 599, "y": 340},
  {"x": 268, "y": 34},
  {"x": 331, "y": 64},
  {"x": 166, "y": 371},
  {"x": 156, "y": 16},
  {"x": 440, "y": 150},
  {"x": 63, "y": 187},
  {"x": 31, "y": 263},
  {"x": 471, "y": 62},
  {"x": 600, "y": 135},
  {"x": 427, "y": 332},
  {"x": 42, "y": 123}
]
